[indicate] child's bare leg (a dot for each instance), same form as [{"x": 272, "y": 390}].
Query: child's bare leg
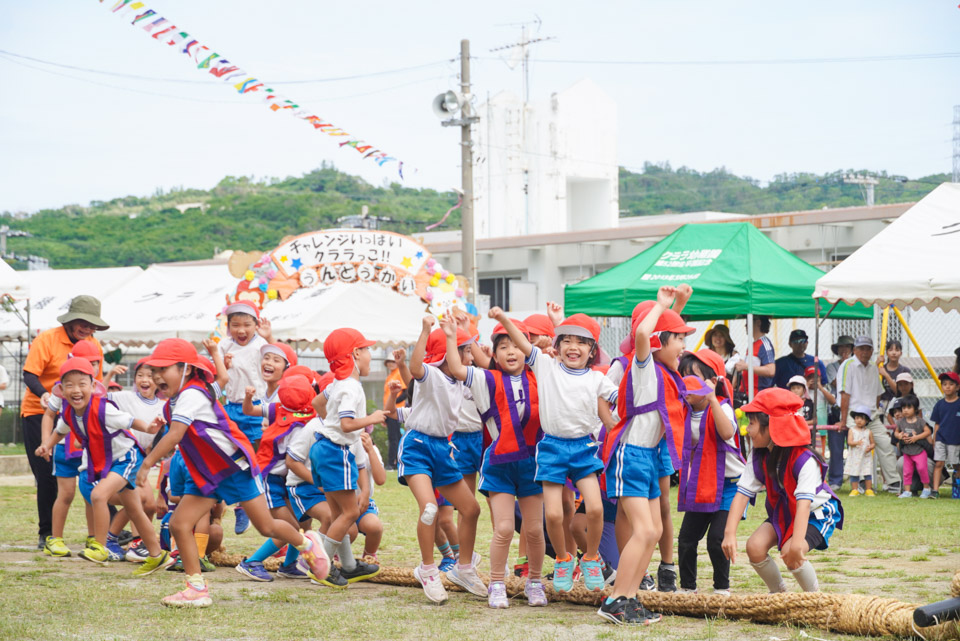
[
  {"x": 531, "y": 509},
  {"x": 758, "y": 545},
  {"x": 99, "y": 498},
  {"x": 569, "y": 509},
  {"x": 66, "y": 490},
  {"x": 590, "y": 491},
  {"x": 466, "y": 504},
  {"x": 372, "y": 533},
  {"x": 553, "y": 516},
  {"x": 666, "y": 538},
  {"x": 422, "y": 487},
  {"x": 132, "y": 503},
  {"x": 266, "y": 525},
  {"x": 645, "y": 531},
  {"x": 501, "y": 506},
  {"x": 188, "y": 513}
]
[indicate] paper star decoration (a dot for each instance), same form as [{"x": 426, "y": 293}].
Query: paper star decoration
[
  {"x": 406, "y": 262},
  {"x": 284, "y": 259},
  {"x": 419, "y": 255},
  {"x": 296, "y": 263}
]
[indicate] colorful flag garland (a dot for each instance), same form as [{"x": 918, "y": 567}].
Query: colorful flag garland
[{"x": 164, "y": 31}]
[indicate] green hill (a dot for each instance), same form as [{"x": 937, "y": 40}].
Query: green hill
[{"x": 241, "y": 213}]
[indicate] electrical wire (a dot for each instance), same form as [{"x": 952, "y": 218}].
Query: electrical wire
[{"x": 746, "y": 62}]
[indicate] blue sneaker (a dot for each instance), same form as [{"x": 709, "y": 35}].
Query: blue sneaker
[
  {"x": 115, "y": 551},
  {"x": 447, "y": 563},
  {"x": 242, "y": 521},
  {"x": 563, "y": 575},
  {"x": 254, "y": 570},
  {"x": 291, "y": 572},
  {"x": 165, "y": 531},
  {"x": 592, "y": 574}
]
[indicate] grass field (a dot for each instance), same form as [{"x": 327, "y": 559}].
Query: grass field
[{"x": 904, "y": 549}]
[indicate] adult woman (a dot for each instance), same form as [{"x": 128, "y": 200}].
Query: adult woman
[{"x": 718, "y": 339}]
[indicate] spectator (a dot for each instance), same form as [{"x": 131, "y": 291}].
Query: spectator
[
  {"x": 946, "y": 430},
  {"x": 718, "y": 339},
  {"x": 860, "y": 387},
  {"x": 798, "y": 385},
  {"x": 762, "y": 356},
  {"x": 393, "y": 425},
  {"x": 48, "y": 351},
  {"x": 890, "y": 370},
  {"x": 797, "y": 361},
  {"x": 836, "y": 439},
  {"x": 904, "y": 383},
  {"x": 825, "y": 398}
]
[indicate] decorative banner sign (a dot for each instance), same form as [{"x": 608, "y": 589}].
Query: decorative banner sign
[
  {"x": 386, "y": 251},
  {"x": 163, "y": 30}
]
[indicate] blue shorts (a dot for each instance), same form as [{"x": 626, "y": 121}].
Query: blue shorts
[
  {"x": 333, "y": 466},
  {"x": 441, "y": 502},
  {"x": 515, "y": 478},
  {"x": 664, "y": 464},
  {"x": 825, "y": 519},
  {"x": 276, "y": 486},
  {"x": 467, "y": 450},
  {"x": 559, "y": 459},
  {"x": 238, "y": 487},
  {"x": 729, "y": 491},
  {"x": 178, "y": 474},
  {"x": 252, "y": 426},
  {"x": 633, "y": 471},
  {"x": 303, "y": 498},
  {"x": 63, "y": 467},
  {"x": 430, "y": 455},
  {"x": 371, "y": 509},
  {"x": 127, "y": 467}
]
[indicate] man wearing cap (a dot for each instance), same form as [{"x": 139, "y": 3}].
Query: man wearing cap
[
  {"x": 859, "y": 385},
  {"x": 48, "y": 351},
  {"x": 797, "y": 361}
]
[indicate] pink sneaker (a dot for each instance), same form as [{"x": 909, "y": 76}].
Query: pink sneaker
[
  {"x": 316, "y": 557},
  {"x": 188, "y": 598}
]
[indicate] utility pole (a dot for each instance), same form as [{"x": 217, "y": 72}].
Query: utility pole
[
  {"x": 956, "y": 143},
  {"x": 866, "y": 183},
  {"x": 468, "y": 241}
]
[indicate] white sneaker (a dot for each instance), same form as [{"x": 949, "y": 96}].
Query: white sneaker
[
  {"x": 467, "y": 578},
  {"x": 721, "y": 592},
  {"x": 432, "y": 586}
]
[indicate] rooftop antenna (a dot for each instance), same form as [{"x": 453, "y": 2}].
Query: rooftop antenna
[
  {"x": 866, "y": 182},
  {"x": 522, "y": 49}
]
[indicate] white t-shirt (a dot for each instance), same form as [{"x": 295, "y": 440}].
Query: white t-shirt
[
  {"x": 469, "y": 419},
  {"x": 298, "y": 447},
  {"x": 115, "y": 422},
  {"x": 477, "y": 382},
  {"x": 437, "y": 399},
  {"x": 4, "y": 380},
  {"x": 644, "y": 430},
  {"x": 807, "y": 483},
  {"x": 345, "y": 399},
  {"x": 244, "y": 369},
  {"x": 732, "y": 462},
  {"x": 568, "y": 397},
  {"x": 280, "y": 467},
  {"x": 193, "y": 405},
  {"x": 145, "y": 409}
]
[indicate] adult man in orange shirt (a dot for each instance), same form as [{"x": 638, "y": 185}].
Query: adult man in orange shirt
[
  {"x": 41, "y": 370},
  {"x": 393, "y": 425}
]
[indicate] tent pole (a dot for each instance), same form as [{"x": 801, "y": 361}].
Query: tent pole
[
  {"x": 829, "y": 311},
  {"x": 816, "y": 365},
  {"x": 750, "y": 360},
  {"x": 884, "y": 322},
  {"x": 913, "y": 339},
  {"x": 704, "y": 335}
]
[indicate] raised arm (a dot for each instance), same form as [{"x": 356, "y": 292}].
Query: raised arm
[
  {"x": 666, "y": 295},
  {"x": 390, "y": 407},
  {"x": 214, "y": 351},
  {"x": 420, "y": 349},
  {"x": 515, "y": 334},
  {"x": 400, "y": 356},
  {"x": 457, "y": 369},
  {"x": 376, "y": 467},
  {"x": 684, "y": 292},
  {"x": 249, "y": 409}
]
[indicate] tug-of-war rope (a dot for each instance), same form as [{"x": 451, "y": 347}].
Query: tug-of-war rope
[{"x": 846, "y": 613}]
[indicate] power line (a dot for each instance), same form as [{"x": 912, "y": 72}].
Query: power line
[
  {"x": 746, "y": 62},
  {"x": 133, "y": 76}
]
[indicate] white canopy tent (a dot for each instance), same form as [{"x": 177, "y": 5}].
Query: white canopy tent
[
  {"x": 12, "y": 282},
  {"x": 912, "y": 263}
]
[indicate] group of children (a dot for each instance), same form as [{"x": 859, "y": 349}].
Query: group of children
[{"x": 578, "y": 453}]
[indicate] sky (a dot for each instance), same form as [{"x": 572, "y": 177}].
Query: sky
[{"x": 151, "y": 120}]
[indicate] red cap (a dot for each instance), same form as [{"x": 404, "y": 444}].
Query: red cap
[
  {"x": 501, "y": 330},
  {"x": 437, "y": 344},
  {"x": 953, "y": 376},
  {"x": 282, "y": 350},
  {"x": 77, "y": 364},
  {"x": 669, "y": 321},
  {"x": 243, "y": 307},
  {"x": 810, "y": 370},
  {"x": 324, "y": 381},
  {"x": 295, "y": 393},
  {"x": 696, "y": 386},
  {"x": 140, "y": 363},
  {"x": 301, "y": 370},
  {"x": 115, "y": 387},
  {"x": 713, "y": 360},
  {"x": 579, "y": 325},
  {"x": 86, "y": 349},
  {"x": 540, "y": 324},
  {"x": 338, "y": 349},
  {"x": 787, "y": 427},
  {"x": 171, "y": 351}
]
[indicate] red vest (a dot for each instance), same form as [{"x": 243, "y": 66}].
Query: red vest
[
  {"x": 284, "y": 422},
  {"x": 703, "y": 467},
  {"x": 97, "y": 441},
  {"x": 517, "y": 434}
]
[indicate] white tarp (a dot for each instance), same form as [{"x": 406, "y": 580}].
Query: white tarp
[
  {"x": 12, "y": 282},
  {"x": 912, "y": 263},
  {"x": 51, "y": 291}
]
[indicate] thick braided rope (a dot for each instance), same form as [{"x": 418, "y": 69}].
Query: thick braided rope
[{"x": 846, "y": 613}]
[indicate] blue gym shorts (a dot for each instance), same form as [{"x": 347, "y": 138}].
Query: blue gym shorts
[
  {"x": 238, "y": 487},
  {"x": 63, "y": 467},
  {"x": 303, "y": 498},
  {"x": 516, "y": 478},
  {"x": 371, "y": 509},
  {"x": 276, "y": 490},
  {"x": 633, "y": 471},
  {"x": 252, "y": 426},
  {"x": 561, "y": 458},
  {"x": 333, "y": 466},
  {"x": 467, "y": 450},
  {"x": 178, "y": 474},
  {"x": 127, "y": 467},
  {"x": 664, "y": 464},
  {"x": 430, "y": 455}
]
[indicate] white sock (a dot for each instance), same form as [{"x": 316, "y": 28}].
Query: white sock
[
  {"x": 330, "y": 546},
  {"x": 347, "y": 560},
  {"x": 806, "y": 576},
  {"x": 770, "y": 573}
]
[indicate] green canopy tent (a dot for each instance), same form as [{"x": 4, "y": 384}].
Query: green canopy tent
[{"x": 733, "y": 268}]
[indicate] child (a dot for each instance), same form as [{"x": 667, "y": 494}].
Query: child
[
  {"x": 859, "y": 461},
  {"x": 507, "y": 399},
  {"x": 67, "y": 459},
  {"x": 798, "y": 385},
  {"x": 369, "y": 524},
  {"x": 911, "y": 429},
  {"x": 946, "y": 431},
  {"x": 333, "y": 456},
  {"x": 711, "y": 467},
  {"x": 287, "y": 416},
  {"x": 112, "y": 458},
  {"x": 802, "y": 511},
  {"x": 275, "y": 360},
  {"x": 221, "y": 465},
  {"x": 825, "y": 398},
  {"x": 571, "y": 396},
  {"x": 207, "y": 533},
  {"x": 650, "y": 408},
  {"x": 425, "y": 460}
]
